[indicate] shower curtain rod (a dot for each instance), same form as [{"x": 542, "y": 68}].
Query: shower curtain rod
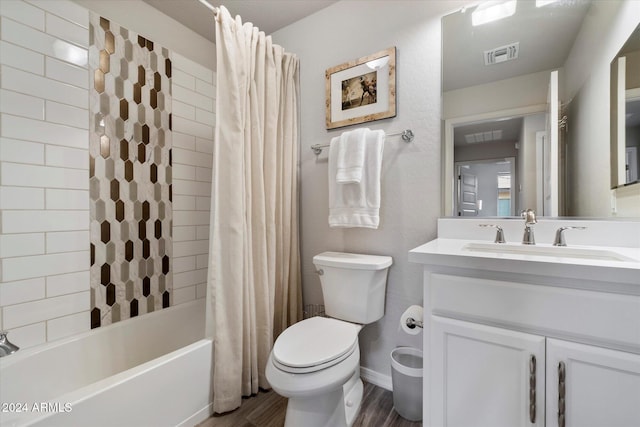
[
  {"x": 209, "y": 6},
  {"x": 407, "y": 136}
]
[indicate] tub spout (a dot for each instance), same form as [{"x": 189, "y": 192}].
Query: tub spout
[{"x": 6, "y": 347}]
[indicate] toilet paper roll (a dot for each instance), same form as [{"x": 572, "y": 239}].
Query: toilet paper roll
[{"x": 416, "y": 313}]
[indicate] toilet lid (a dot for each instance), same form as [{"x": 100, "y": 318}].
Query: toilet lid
[{"x": 315, "y": 341}]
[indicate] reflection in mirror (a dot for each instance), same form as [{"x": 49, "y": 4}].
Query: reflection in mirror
[
  {"x": 539, "y": 69},
  {"x": 625, "y": 113}
]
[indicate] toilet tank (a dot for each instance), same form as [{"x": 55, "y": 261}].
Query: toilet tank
[{"x": 353, "y": 285}]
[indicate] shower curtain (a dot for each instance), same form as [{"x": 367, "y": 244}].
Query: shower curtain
[{"x": 254, "y": 269}]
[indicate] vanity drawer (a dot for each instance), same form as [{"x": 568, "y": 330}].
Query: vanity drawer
[{"x": 612, "y": 320}]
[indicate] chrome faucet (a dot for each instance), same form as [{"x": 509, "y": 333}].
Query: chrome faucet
[
  {"x": 6, "y": 347},
  {"x": 559, "y": 240},
  {"x": 529, "y": 220}
]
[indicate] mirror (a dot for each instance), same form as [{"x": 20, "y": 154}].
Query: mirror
[
  {"x": 526, "y": 107},
  {"x": 625, "y": 113}
]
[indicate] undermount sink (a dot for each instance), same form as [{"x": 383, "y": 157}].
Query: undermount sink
[{"x": 548, "y": 251}]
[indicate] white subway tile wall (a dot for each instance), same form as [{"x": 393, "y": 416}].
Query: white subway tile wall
[
  {"x": 44, "y": 191},
  {"x": 193, "y": 127}
]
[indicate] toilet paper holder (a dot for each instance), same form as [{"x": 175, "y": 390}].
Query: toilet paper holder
[{"x": 412, "y": 323}]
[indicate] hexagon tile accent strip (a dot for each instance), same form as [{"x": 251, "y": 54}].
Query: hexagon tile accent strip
[{"x": 129, "y": 173}]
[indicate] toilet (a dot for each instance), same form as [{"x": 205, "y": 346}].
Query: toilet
[{"x": 316, "y": 362}]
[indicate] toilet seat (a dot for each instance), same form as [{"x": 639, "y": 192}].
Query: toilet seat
[{"x": 314, "y": 344}]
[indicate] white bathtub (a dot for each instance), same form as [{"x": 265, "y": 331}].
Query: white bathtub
[{"x": 153, "y": 370}]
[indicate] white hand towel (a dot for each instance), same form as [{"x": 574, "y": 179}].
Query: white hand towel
[
  {"x": 358, "y": 204},
  {"x": 351, "y": 156}
]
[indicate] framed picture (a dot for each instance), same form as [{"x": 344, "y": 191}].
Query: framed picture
[{"x": 361, "y": 91}]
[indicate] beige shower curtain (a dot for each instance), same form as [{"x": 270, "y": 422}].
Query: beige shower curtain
[{"x": 254, "y": 270}]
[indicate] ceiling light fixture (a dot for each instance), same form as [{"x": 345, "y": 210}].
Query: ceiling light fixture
[
  {"x": 492, "y": 11},
  {"x": 543, "y": 3}
]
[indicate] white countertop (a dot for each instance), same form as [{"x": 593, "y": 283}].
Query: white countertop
[{"x": 456, "y": 253}]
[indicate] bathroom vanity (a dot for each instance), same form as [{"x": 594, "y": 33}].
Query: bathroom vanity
[{"x": 531, "y": 335}]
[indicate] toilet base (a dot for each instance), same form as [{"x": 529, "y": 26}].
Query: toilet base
[{"x": 337, "y": 408}]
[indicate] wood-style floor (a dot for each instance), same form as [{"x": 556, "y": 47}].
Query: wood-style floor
[{"x": 267, "y": 409}]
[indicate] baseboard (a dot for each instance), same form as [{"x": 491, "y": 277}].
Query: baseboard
[
  {"x": 376, "y": 378},
  {"x": 198, "y": 417}
]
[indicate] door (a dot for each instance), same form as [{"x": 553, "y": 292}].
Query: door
[
  {"x": 552, "y": 147},
  {"x": 600, "y": 387},
  {"x": 484, "y": 376},
  {"x": 467, "y": 193},
  {"x": 631, "y": 161}
]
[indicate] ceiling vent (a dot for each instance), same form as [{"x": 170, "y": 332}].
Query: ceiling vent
[
  {"x": 488, "y": 136},
  {"x": 501, "y": 54}
]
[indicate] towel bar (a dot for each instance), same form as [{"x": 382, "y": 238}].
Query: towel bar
[{"x": 407, "y": 136}]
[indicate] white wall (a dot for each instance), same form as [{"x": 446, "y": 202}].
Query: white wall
[
  {"x": 588, "y": 75},
  {"x": 527, "y": 156},
  {"x": 44, "y": 162},
  {"x": 411, "y": 172}
]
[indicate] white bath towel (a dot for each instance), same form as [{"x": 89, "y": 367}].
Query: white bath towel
[
  {"x": 357, "y": 205},
  {"x": 351, "y": 156}
]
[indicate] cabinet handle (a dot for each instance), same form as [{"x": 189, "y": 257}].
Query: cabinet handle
[
  {"x": 561, "y": 393},
  {"x": 532, "y": 389}
]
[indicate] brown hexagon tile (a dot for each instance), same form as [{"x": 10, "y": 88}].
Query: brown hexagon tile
[
  {"x": 105, "y": 231},
  {"x": 104, "y": 146},
  {"x": 153, "y": 173},
  {"x": 133, "y": 308},
  {"x": 128, "y": 170},
  {"x": 111, "y": 294},
  {"x": 105, "y": 274},
  {"x": 142, "y": 75},
  {"x": 153, "y": 99},
  {"x": 128, "y": 250},
  {"x": 95, "y": 318},
  {"x": 142, "y": 150},
  {"x": 165, "y": 299},
  {"x": 98, "y": 81},
  {"x": 115, "y": 189},
  {"x": 124, "y": 109},
  {"x": 92, "y": 253},
  {"x": 141, "y": 41},
  {"x": 142, "y": 229},
  {"x": 104, "y": 61},
  {"x": 124, "y": 149},
  {"x": 157, "y": 192},
  {"x": 146, "y": 208},
  {"x": 119, "y": 210},
  {"x": 146, "y": 286},
  {"x": 149, "y": 45},
  {"x": 92, "y": 166},
  {"x": 165, "y": 264},
  {"x": 167, "y": 67},
  {"x": 104, "y": 23},
  {"x": 157, "y": 81},
  {"x": 157, "y": 225},
  {"x": 146, "y": 248},
  {"x": 145, "y": 134},
  {"x": 137, "y": 93},
  {"x": 109, "y": 42}
]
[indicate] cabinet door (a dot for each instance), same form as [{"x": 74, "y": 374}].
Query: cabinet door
[
  {"x": 484, "y": 376},
  {"x": 601, "y": 387}
]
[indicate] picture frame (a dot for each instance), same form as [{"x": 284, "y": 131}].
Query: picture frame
[{"x": 362, "y": 90}]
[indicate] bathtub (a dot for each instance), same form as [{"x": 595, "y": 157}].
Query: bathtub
[{"x": 153, "y": 370}]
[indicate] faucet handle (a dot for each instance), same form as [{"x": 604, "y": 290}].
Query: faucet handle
[
  {"x": 499, "y": 232},
  {"x": 559, "y": 240},
  {"x": 529, "y": 216}
]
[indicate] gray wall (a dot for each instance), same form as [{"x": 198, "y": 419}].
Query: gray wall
[{"x": 410, "y": 172}]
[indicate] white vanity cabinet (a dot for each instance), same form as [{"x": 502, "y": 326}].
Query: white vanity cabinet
[{"x": 528, "y": 341}]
